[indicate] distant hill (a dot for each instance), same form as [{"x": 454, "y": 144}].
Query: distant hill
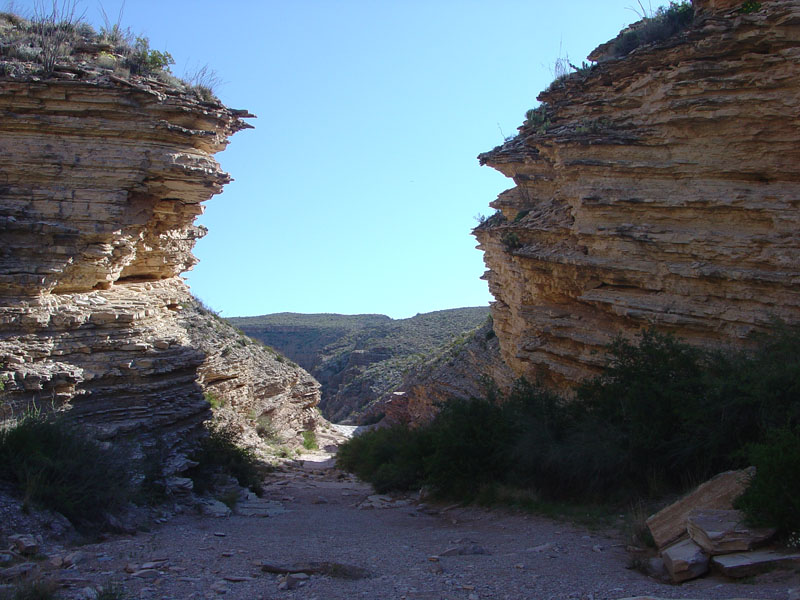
[{"x": 358, "y": 358}]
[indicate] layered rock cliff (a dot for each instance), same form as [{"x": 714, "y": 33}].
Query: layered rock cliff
[
  {"x": 101, "y": 178},
  {"x": 656, "y": 189}
]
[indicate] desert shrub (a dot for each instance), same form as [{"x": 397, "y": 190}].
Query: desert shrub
[
  {"x": 265, "y": 429},
  {"x": 218, "y": 453},
  {"x": 663, "y": 415},
  {"x": 510, "y": 241},
  {"x": 213, "y": 400},
  {"x": 310, "y": 440},
  {"x": 31, "y": 588},
  {"x": 773, "y": 497},
  {"x": 661, "y": 25},
  {"x": 466, "y": 447},
  {"x": 143, "y": 60},
  {"x": 390, "y": 458},
  {"x": 750, "y": 7},
  {"x": 56, "y": 465},
  {"x": 538, "y": 118}
]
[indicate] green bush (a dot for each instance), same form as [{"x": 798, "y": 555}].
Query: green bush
[
  {"x": 466, "y": 447},
  {"x": 390, "y": 458},
  {"x": 56, "y": 465},
  {"x": 662, "y": 416},
  {"x": 310, "y": 440},
  {"x": 773, "y": 497},
  {"x": 218, "y": 453},
  {"x": 144, "y": 61}
]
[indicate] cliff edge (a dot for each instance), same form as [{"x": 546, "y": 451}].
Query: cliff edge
[
  {"x": 657, "y": 188},
  {"x": 102, "y": 173}
]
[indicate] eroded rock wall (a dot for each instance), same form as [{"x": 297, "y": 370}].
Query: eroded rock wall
[
  {"x": 659, "y": 189},
  {"x": 101, "y": 179}
]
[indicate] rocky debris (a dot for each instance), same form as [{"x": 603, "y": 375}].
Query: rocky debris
[
  {"x": 724, "y": 531},
  {"x": 382, "y": 501},
  {"x": 685, "y": 560},
  {"x": 469, "y": 549},
  {"x": 213, "y": 508},
  {"x": 745, "y": 564},
  {"x": 18, "y": 571},
  {"x": 652, "y": 191},
  {"x": 330, "y": 569},
  {"x": 25, "y": 543},
  {"x": 719, "y": 492}
]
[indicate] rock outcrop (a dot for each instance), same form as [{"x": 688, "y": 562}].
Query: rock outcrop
[
  {"x": 460, "y": 370},
  {"x": 654, "y": 190},
  {"x": 101, "y": 178},
  {"x": 253, "y": 388}
]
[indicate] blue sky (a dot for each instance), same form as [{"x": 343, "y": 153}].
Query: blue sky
[{"x": 357, "y": 190}]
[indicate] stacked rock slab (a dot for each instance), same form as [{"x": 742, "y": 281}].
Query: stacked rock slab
[
  {"x": 654, "y": 190},
  {"x": 101, "y": 179}
]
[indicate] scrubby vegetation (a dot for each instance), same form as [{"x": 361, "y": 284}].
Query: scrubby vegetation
[
  {"x": 663, "y": 415},
  {"x": 220, "y": 455},
  {"x": 660, "y": 25},
  {"x": 57, "y": 34},
  {"x": 56, "y": 465}
]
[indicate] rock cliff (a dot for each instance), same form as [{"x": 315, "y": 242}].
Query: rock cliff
[
  {"x": 659, "y": 188},
  {"x": 101, "y": 178}
]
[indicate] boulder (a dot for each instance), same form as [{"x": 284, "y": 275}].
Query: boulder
[
  {"x": 685, "y": 560},
  {"x": 745, "y": 564},
  {"x": 724, "y": 531},
  {"x": 669, "y": 524}
]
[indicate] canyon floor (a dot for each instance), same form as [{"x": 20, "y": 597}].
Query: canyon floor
[{"x": 349, "y": 543}]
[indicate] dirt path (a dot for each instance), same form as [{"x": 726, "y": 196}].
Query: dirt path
[{"x": 318, "y": 514}]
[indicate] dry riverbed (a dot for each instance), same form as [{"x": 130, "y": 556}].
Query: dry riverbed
[{"x": 343, "y": 542}]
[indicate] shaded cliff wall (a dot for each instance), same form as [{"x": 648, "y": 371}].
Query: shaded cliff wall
[{"x": 659, "y": 189}]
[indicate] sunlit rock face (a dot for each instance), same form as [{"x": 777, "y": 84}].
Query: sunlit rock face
[
  {"x": 100, "y": 182},
  {"x": 655, "y": 190}
]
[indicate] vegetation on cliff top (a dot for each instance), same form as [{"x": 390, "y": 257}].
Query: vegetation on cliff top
[
  {"x": 55, "y": 41},
  {"x": 662, "y": 416}
]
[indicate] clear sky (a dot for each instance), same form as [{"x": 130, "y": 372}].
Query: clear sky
[{"x": 357, "y": 189}]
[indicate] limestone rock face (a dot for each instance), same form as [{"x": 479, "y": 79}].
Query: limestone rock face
[
  {"x": 100, "y": 182},
  {"x": 655, "y": 190}
]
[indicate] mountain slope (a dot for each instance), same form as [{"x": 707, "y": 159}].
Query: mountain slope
[{"x": 358, "y": 358}]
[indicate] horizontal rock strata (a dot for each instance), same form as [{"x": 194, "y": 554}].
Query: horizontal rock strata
[
  {"x": 654, "y": 190},
  {"x": 101, "y": 179}
]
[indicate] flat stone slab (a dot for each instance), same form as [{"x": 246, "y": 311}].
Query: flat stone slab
[
  {"x": 745, "y": 564},
  {"x": 719, "y": 492},
  {"x": 684, "y": 561},
  {"x": 724, "y": 531}
]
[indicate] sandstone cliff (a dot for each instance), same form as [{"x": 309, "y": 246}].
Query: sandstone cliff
[
  {"x": 656, "y": 189},
  {"x": 101, "y": 178}
]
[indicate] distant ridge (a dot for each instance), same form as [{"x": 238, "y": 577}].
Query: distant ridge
[{"x": 357, "y": 358}]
